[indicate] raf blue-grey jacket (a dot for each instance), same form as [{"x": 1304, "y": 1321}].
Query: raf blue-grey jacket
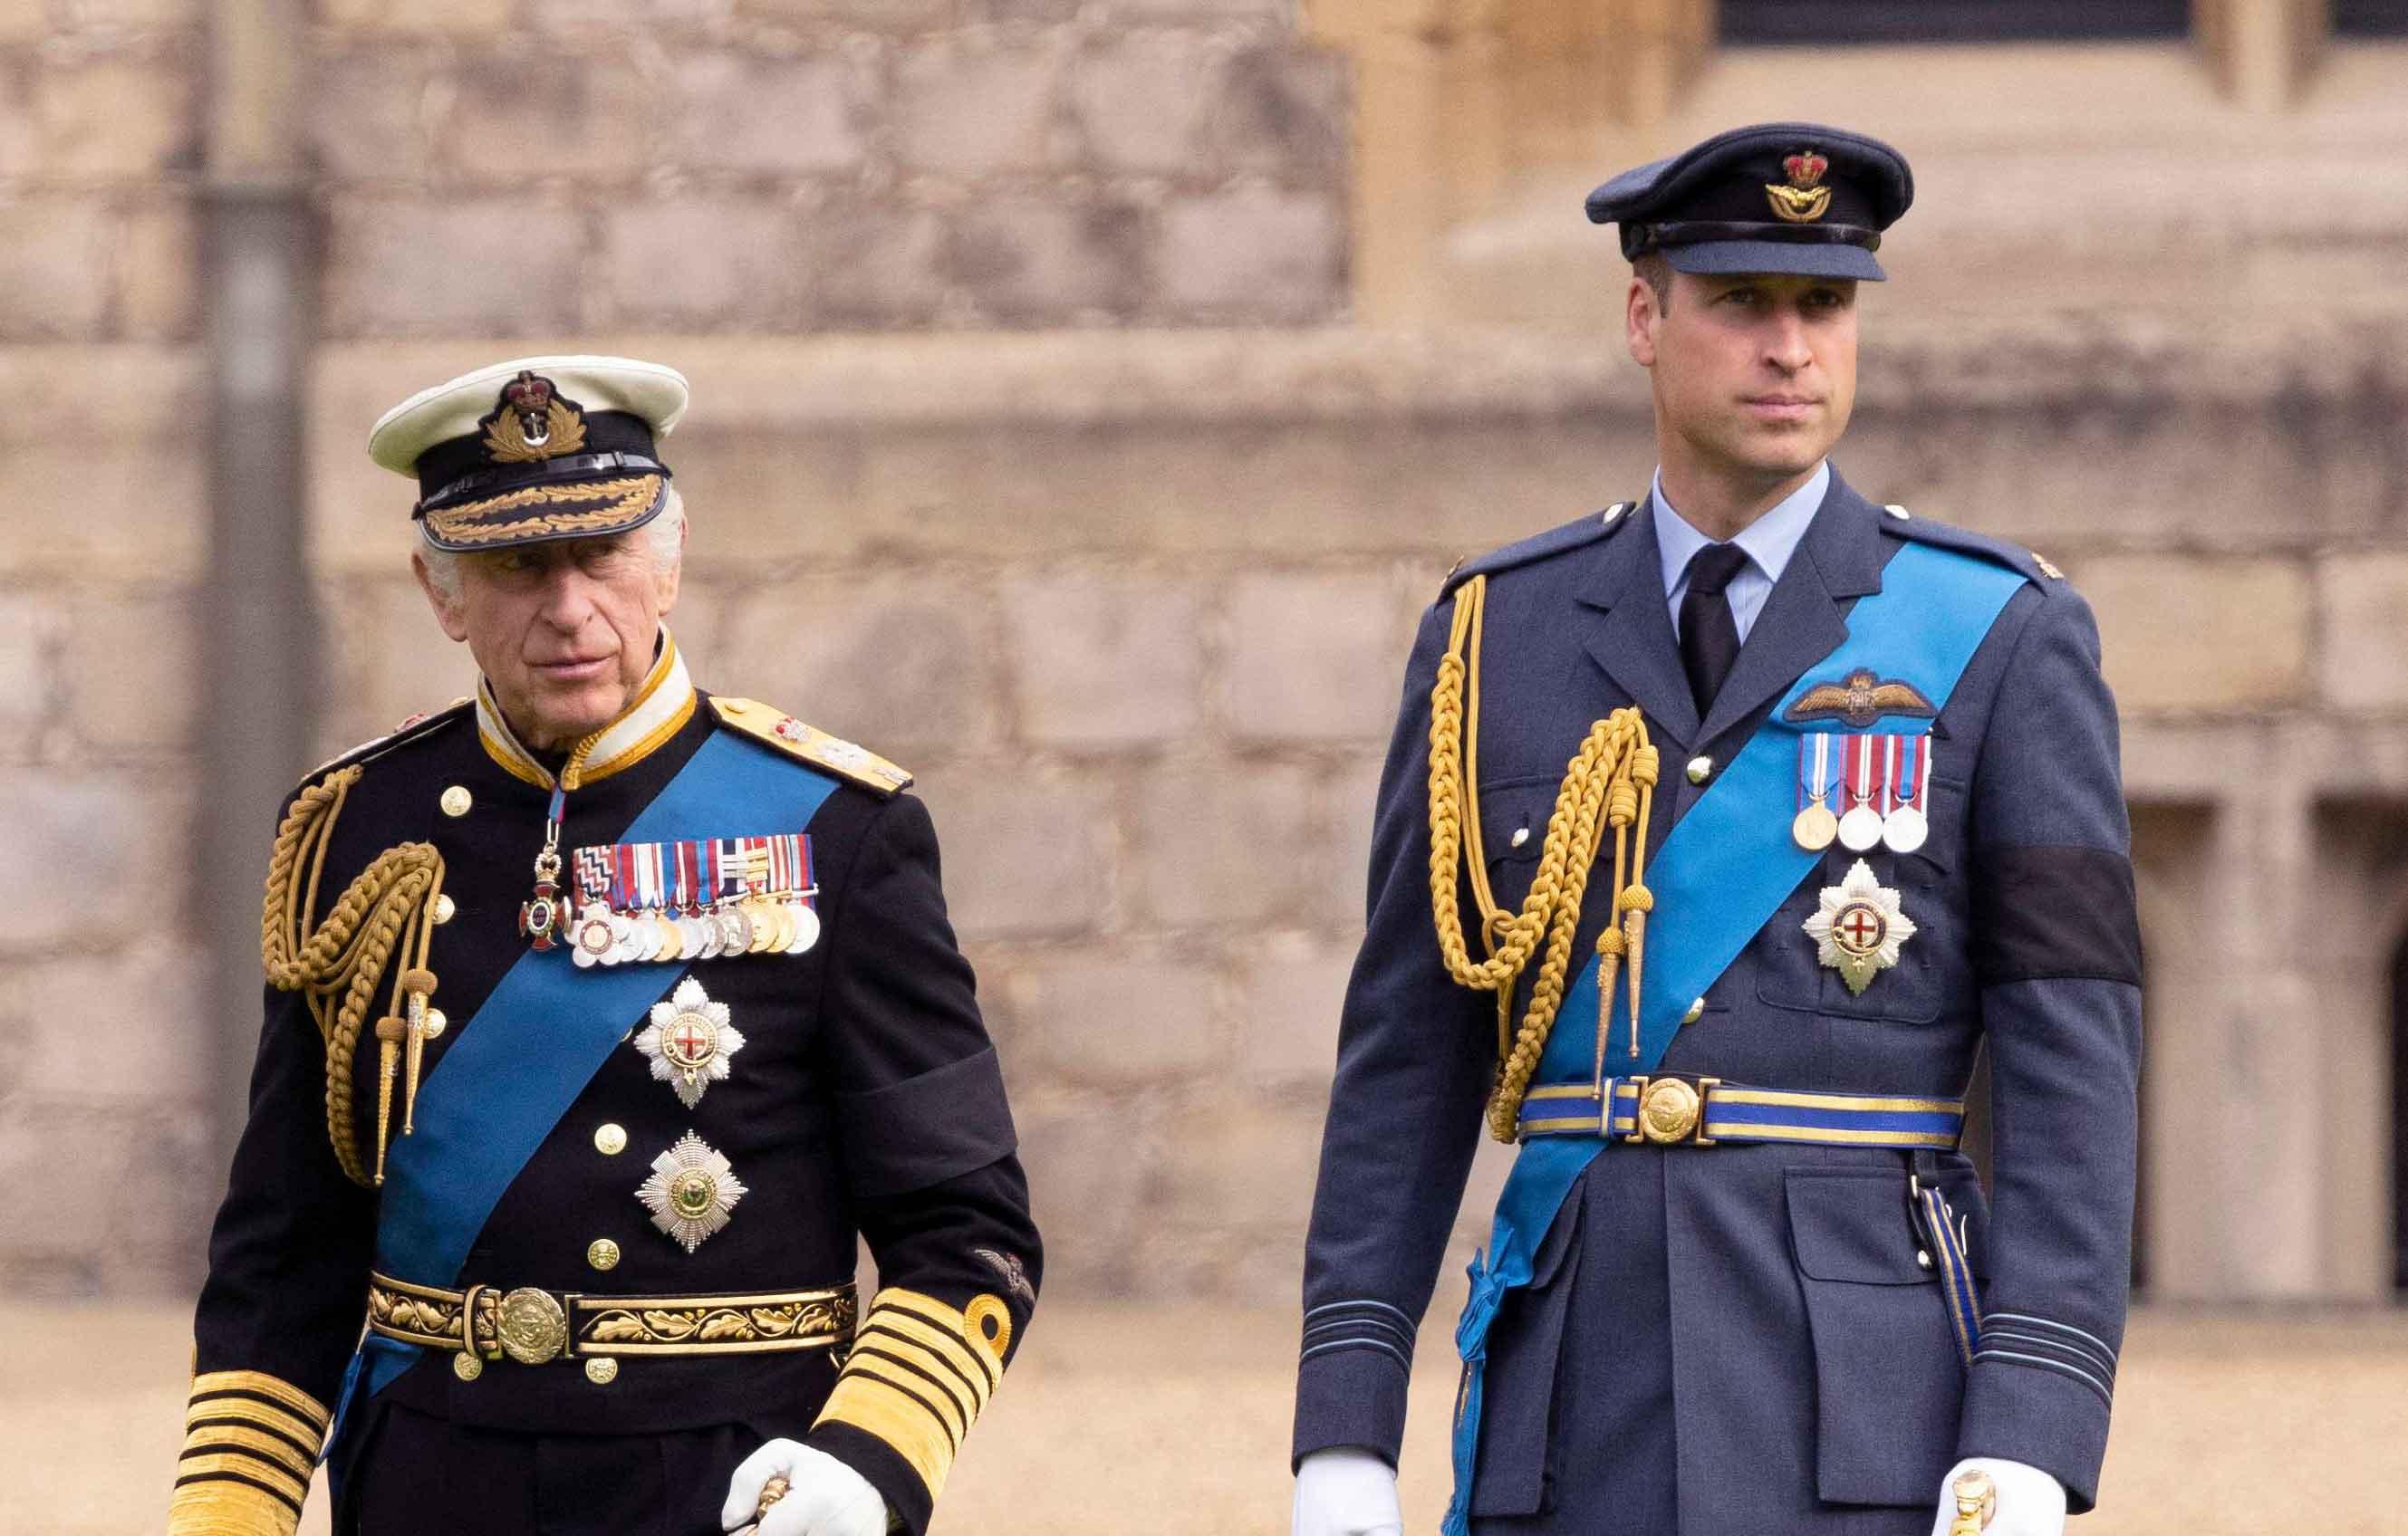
[{"x": 1734, "y": 1340}]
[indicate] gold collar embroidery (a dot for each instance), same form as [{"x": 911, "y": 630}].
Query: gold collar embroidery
[{"x": 659, "y": 710}]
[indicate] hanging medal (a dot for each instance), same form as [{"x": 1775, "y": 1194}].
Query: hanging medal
[
  {"x": 1860, "y": 825},
  {"x": 1815, "y": 826},
  {"x": 543, "y": 915},
  {"x": 1904, "y": 826}
]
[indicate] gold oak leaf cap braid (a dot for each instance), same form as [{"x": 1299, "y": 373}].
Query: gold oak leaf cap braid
[
  {"x": 1610, "y": 782},
  {"x": 335, "y": 964}
]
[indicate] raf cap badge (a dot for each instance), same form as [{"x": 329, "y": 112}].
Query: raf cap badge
[
  {"x": 691, "y": 1192},
  {"x": 689, "y": 1041},
  {"x": 1858, "y": 928},
  {"x": 1805, "y": 199}
]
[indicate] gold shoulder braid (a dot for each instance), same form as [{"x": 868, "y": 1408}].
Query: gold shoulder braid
[
  {"x": 335, "y": 964},
  {"x": 1614, "y": 772}
]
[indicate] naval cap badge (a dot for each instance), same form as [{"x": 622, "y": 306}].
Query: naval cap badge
[
  {"x": 533, "y": 422},
  {"x": 1858, "y": 928},
  {"x": 1805, "y": 199},
  {"x": 691, "y": 1192},
  {"x": 689, "y": 1041}
]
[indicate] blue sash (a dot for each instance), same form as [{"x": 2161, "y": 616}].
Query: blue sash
[
  {"x": 534, "y": 1042},
  {"x": 1723, "y": 869}
]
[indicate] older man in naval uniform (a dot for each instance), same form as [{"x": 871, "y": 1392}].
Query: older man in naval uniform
[
  {"x": 1841, "y": 812},
  {"x": 603, "y": 1016}
]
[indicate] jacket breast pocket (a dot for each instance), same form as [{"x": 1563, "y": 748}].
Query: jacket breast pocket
[
  {"x": 1518, "y": 1388},
  {"x": 1512, "y": 829},
  {"x": 1789, "y": 970},
  {"x": 1888, "y": 1382}
]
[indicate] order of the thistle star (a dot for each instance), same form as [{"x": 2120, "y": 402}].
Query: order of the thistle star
[{"x": 689, "y": 1041}]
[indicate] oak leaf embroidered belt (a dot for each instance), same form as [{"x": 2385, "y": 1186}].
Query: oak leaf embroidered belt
[
  {"x": 533, "y": 1326},
  {"x": 1668, "y": 1110}
]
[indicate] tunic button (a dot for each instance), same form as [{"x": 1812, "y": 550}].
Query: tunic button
[
  {"x": 456, "y": 801},
  {"x": 610, "y": 1140},
  {"x": 601, "y": 1370},
  {"x": 1701, "y": 770},
  {"x": 444, "y": 907},
  {"x": 1923, "y": 1258},
  {"x": 1521, "y": 835},
  {"x": 1696, "y": 1011},
  {"x": 435, "y": 1023},
  {"x": 602, "y": 1254}
]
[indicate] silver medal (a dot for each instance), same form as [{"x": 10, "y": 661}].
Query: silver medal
[
  {"x": 1860, "y": 830},
  {"x": 1904, "y": 829},
  {"x": 807, "y": 927}
]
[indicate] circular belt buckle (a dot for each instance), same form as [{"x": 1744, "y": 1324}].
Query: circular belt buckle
[
  {"x": 1669, "y": 1111},
  {"x": 534, "y": 1326}
]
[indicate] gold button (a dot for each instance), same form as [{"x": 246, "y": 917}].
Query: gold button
[
  {"x": 444, "y": 907},
  {"x": 610, "y": 1140},
  {"x": 456, "y": 801},
  {"x": 1696, "y": 1011},
  {"x": 435, "y": 1023},
  {"x": 602, "y": 1254},
  {"x": 466, "y": 1366},
  {"x": 1701, "y": 770},
  {"x": 601, "y": 1370}
]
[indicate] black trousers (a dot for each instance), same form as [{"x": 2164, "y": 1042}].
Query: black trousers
[{"x": 418, "y": 1475}]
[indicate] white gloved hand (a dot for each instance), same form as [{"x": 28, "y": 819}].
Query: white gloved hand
[
  {"x": 823, "y": 1496},
  {"x": 2030, "y": 1502},
  {"x": 1346, "y": 1491}
]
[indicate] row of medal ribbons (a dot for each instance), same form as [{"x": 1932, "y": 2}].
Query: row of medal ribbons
[
  {"x": 1864, "y": 792},
  {"x": 694, "y": 899}
]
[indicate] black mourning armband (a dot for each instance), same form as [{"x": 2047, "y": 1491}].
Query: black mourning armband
[
  {"x": 2043, "y": 911},
  {"x": 925, "y": 1129}
]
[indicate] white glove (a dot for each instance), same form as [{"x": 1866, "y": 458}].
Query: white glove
[
  {"x": 2030, "y": 1502},
  {"x": 1345, "y": 1491},
  {"x": 823, "y": 1496}
]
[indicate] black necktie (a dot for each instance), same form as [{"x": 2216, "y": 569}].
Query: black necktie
[{"x": 1709, "y": 633}]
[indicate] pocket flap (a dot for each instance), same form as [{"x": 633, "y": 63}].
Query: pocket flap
[
  {"x": 1516, "y": 809},
  {"x": 1854, "y": 1224}
]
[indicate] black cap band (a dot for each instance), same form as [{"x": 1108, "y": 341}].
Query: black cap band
[
  {"x": 1639, "y": 239},
  {"x": 582, "y": 466}
]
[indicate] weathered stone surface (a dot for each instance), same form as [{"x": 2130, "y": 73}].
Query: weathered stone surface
[
  {"x": 963, "y": 110},
  {"x": 504, "y": 266},
  {"x": 153, "y": 1049},
  {"x": 157, "y": 273},
  {"x": 1103, "y": 660},
  {"x": 1287, "y": 1033},
  {"x": 1028, "y": 852},
  {"x": 54, "y": 268},
  {"x": 2362, "y": 647},
  {"x": 30, "y": 624},
  {"x": 551, "y": 115},
  {"x": 371, "y": 114},
  {"x": 130, "y": 673},
  {"x": 800, "y": 117},
  {"x": 123, "y": 834},
  {"x": 113, "y": 118},
  {"x": 2183, "y": 634},
  {"x": 466, "y": 18},
  {"x": 1117, "y": 1019},
  {"x": 1139, "y": 98},
  {"x": 1223, "y": 843},
  {"x": 1313, "y": 657},
  {"x": 695, "y": 262},
  {"x": 1279, "y": 1146},
  {"x": 874, "y": 266},
  {"x": 1029, "y": 261},
  {"x": 385, "y": 659},
  {"x": 1279, "y": 110},
  {"x": 1258, "y": 251}
]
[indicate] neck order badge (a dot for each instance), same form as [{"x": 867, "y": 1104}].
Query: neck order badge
[{"x": 1723, "y": 871}]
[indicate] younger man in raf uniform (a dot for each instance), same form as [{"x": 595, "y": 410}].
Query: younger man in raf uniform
[
  {"x": 602, "y": 1015},
  {"x": 1843, "y": 807}
]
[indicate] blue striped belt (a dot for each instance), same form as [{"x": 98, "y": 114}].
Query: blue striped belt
[{"x": 1668, "y": 1110}]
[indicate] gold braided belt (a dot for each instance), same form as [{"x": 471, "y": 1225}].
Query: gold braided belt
[
  {"x": 1611, "y": 783},
  {"x": 534, "y": 1326}
]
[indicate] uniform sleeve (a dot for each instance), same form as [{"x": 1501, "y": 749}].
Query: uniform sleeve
[
  {"x": 928, "y": 1150},
  {"x": 280, "y": 1311},
  {"x": 2058, "y": 960},
  {"x": 1414, "y": 1061}
]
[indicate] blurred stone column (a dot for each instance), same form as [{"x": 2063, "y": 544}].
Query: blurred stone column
[
  {"x": 258, "y": 273},
  {"x": 2262, "y": 51}
]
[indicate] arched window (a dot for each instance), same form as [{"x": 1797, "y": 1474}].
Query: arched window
[{"x": 1815, "y": 22}]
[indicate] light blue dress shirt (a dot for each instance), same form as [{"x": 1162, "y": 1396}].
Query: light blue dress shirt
[{"x": 1770, "y": 541}]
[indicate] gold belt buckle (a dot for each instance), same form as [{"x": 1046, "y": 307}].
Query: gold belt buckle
[
  {"x": 1673, "y": 1110},
  {"x": 533, "y": 1326}
]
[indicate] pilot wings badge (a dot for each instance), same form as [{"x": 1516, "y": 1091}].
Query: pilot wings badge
[{"x": 1858, "y": 700}]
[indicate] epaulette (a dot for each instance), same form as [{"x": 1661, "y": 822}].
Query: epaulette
[
  {"x": 833, "y": 754},
  {"x": 424, "y": 724},
  {"x": 1898, "y": 522},
  {"x": 1555, "y": 541}
]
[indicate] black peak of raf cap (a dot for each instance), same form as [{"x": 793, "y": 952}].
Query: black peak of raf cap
[{"x": 1774, "y": 197}]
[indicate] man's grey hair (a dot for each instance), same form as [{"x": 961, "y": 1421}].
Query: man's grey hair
[{"x": 664, "y": 537}]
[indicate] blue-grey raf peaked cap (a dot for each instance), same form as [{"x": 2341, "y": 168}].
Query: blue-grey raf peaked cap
[{"x": 1779, "y": 197}]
